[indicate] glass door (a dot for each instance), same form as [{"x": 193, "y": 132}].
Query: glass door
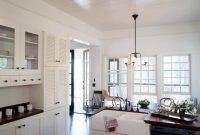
[
  {"x": 7, "y": 47},
  {"x": 31, "y": 51},
  {"x": 86, "y": 78}
]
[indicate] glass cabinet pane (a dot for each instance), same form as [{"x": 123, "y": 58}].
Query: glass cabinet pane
[
  {"x": 31, "y": 51},
  {"x": 7, "y": 47}
]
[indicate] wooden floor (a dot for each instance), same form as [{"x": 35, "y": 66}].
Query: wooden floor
[{"x": 78, "y": 124}]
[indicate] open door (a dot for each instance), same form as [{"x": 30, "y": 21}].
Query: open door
[{"x": 86, "y": 77}]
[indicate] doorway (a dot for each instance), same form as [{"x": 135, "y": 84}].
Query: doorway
[{"x": 78, "y": 77}]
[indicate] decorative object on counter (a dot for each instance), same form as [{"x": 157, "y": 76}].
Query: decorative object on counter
[
  {"x": 21, "y": 109},
  {"x": 105, "y": 93},
  {"x": 29, "y": 107},
  {"x": 9, "y": 113},
  {"x": 176, "y": 116},
  {"x": 184, "y": 107},
  {"x": 110, "y": 124},
  {"x": 143, "y": 103}
]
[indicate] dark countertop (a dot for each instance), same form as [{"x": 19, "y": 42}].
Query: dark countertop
[
  {"x": 163, "y": 121},
  {"x": 20, "y": 116}
]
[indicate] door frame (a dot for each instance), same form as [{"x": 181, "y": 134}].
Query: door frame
[
  {"x": 72, "y": 81},
  {"x": 85, "y": 92}
]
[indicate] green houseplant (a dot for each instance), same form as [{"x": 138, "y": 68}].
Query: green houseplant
[{"x": 144, "y": 103}]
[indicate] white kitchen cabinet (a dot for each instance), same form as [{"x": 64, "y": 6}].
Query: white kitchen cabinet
[
  {"x": 55, "y": 122},
  {"x": 54, "y": 87},
  {"x": 20, "y": 54},
  {"x": 9, "y": 48},
  {"x": 55, "y": 50},
  {"x": 26, "y": 126},
  {"x": 31, "y": 50}
]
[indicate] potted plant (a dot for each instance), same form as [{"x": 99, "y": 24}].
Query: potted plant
[
  {"x": 184, "y": 107},
  {"x": 144, "y": 103}
]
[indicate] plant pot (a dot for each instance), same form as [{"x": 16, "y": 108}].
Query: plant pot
[
  {"x": 143, "y": 105},
  {"x": 182, "y": 113}
]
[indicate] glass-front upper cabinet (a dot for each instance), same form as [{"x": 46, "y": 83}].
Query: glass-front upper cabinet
[
  {"x": 31, "y": 55},
  {"x": 8, "y": 49}
]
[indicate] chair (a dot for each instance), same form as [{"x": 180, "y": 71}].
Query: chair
[{"x": 95, "y": 103}]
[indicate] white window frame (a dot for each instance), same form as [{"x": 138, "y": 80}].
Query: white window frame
[
  {"x": 162, "y": 92},
  {"x": 118, "y": 70},
  {"x": 156, "y": 79}
]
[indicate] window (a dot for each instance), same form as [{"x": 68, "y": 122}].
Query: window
[
  {"x": 144, "y": 77},
  {"x": 176, "y": 77},
  {"x": 117, "y": 77}
]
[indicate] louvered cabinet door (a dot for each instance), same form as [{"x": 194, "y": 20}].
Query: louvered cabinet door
[
  {"x": 61, "y": 83},
  {"x": 49, "y": 88},
  {"x": 49, "y": 49},
  {"x": 62, "y": 51}
]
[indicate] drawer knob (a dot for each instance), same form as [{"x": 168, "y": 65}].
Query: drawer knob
[
  {"x": 17, "y": 67},
  {"x": 32, "y": 79},
  {"x": 19, "y": 127},
  {"x": 24, "y": 125},
  {"x": 57, "y": 102},
  {"x": 57, "y": 113},
  {"x": 22, "y": 68},
  {"x": 39, "y": 79},
  {"x": 24, "y": 80},
  {"x": 15, "y": 80},
  {"x": 5, "y": 81}
]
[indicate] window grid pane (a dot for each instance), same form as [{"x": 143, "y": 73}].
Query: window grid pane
[
  {"x": 176, "y": 75},
  {"x": 117, "y": 77},
  {"x": 145, "y": 79}
]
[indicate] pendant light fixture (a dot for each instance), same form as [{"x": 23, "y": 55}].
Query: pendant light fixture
[{"x": 135, "y": 57}]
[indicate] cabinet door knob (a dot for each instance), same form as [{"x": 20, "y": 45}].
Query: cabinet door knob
[
  {"x": 32, "y": 79},
  {"x": 24, "y": 125},
  {"x": 5, "y": 81},
  {"x": 39, "y": 79},
  {"x": 24, "y": 80},
  {"x": 19, "y": 127},
  {"x": 57, "y": 113},
  {"x": 22, "y": 68},
  {"x": 57, "y": 102},
  {"x": 17, "y": 67},
  {"x": 15, "y": 80}
]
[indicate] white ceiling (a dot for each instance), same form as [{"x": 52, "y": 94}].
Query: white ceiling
[{"x": 116, "y": 14}]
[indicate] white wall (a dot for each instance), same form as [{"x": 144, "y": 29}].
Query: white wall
[
  {"x": 39, "y": 15},
  {"x": 13, "y": 95},
  {"x": 161, "y": 40}
]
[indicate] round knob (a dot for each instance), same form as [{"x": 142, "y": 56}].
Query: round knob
[
  {"x": 15, "y": 80},
  {"x": 22, "y": 68},
  {"x": 39, "y": 79},
  {"x": 24, "y": 125},
  {"x": 32, "y": 79},
  {"x": 17, "y": 67},
  {"x": 24, "y": 80},
  {"x": 5, "y": 81},
  {"x": 19, "y": 127}
]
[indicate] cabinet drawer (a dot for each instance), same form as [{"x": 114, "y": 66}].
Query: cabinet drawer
[
  {"x": 5, "y": 81},
  {"x": 24, "y": 80},
  {"x": 35, "y": 79},
  {"x": 14, "y": 80}
]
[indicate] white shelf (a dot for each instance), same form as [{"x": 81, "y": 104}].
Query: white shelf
[
  {"x": 31, "y": 43},
  {"x": 5, "y": 56},
  {"x": 7, "y": 38}
]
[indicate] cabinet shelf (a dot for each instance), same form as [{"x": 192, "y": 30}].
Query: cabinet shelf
[
  {"x": 7, "y": 38},
  {"x": 31, "y": 43},
  {"x": 5, "y": 56},
  {"x": 31, "y": 58}
]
